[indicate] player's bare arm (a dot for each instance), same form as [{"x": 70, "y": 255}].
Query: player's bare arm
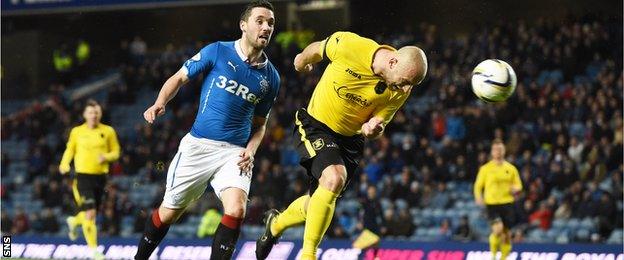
[
  {"x": 258, "y": 129},
  {"x": 167, "y": 92},
  {"x": 309, "y": 56},
  {"x": 374, "y": 128}
]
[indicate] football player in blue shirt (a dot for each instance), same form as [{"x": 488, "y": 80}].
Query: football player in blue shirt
[{"x": 239, "y": 88}]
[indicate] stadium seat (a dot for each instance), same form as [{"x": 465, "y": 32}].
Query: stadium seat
[
  {"x": 559, "y": 223},
  {"x": 291, "y": 233},
  {"x": 562, "y": 239},
  {"x": 583, "y": 234},
  {"x": 420, "y": 232},
  {"x": 127, "y": 221},
  {"x": 401, "y": 204},
  {"x": 385, "y": 203},
  {"x": 574, "y": 223},
  {"x": 588, "y": 223},
  {"x": 415, "y": 212},
  {"x": 426, "y": 213},
  {"x": 536, "y": 235},
  {"x": 616, "y": 237},
  {"x": 552, "y": 234},
  {"x": 433, "y": 232}
]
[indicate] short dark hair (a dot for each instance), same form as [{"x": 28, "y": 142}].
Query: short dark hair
[
  {"x": 497, "y": 141},
  {"x": 92, "y": 103},
  {"x": 254, "y": 4}
]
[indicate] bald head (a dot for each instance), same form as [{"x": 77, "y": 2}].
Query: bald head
[{"x": 412, "y": 63}]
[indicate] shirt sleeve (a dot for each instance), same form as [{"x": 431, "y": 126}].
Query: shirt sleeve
[
  {"x": 264, "y": 107},
  {"x": 113, "y": 146},
  {"x": 394, "y": 104},
  {"x": 333, "y": 45},
  {"x": 479, "y": 183},
  {"x": 203, "y": 61},
  {"x": 517, "y": 183},
  {"x": 70, "y": 150}
]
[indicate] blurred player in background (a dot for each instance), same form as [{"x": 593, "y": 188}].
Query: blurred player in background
[
  {"x": 497, "y": 183},
  {"x": 360, "y": 91},
  {"x": 92, "y": 146},
  {"x": 239, "y": 89}
]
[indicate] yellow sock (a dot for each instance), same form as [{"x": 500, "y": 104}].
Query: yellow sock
[
  {"x": 319, "y": 216},
  {"x": 89, "y": 230},
  {"x": 294, "y": 215},
  {"x": 494, "y": 243},
  {"x": 505, "y": 249}
]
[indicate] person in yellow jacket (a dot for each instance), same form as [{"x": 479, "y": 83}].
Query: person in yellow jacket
[
  {"x": 497, "y": 184},
  {"x": 209, "y": 223},
  {"x": 92, "y": 146}
]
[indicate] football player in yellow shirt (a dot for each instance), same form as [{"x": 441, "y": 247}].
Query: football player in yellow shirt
[
  {"x": 92, "y": 146},
  {"x": 360, "y": 91},
  {"x": 497, "y": 183}
]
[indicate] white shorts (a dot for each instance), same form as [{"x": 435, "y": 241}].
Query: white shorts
[{"x": 199, "y": 161}]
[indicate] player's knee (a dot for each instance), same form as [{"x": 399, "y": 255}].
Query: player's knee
[
  {"x": 90, "y": 214},
  {"x": 237, "y": 211},
  {"x": 169, "y": 216},
  {"x": 234, "y": 202},
  {"x": 333, "y": 178},
  {"x": 497, "y": 227}
]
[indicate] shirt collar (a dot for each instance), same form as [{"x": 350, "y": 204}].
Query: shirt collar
[{"x": 242, "y": 56}]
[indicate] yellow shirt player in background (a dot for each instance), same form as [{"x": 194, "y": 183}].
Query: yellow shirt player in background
[
  {"x": 360, "y": 91},
  {"x": 92, "y": 146},
  {"x": 497, "y": 183}
]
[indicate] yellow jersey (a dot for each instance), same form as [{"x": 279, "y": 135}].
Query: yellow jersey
[
  {"x": 497, "y": 180},
  {"x": 85, "y": 145},
  {"x": 349, "y": 93}
]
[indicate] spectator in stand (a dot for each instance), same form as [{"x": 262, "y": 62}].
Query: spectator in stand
[
  {"x": 371, "y": 211},
  {"x": 209, "y": 223},
  {"x": 49, "y": 221},
  {"x": 137, "y": 49},
  {"x": 21, "y": 223},
  {"x": 542, "y": 217},
  {"x": 564, "y": 211},
  {"x": 463, "y": 231},
  {"x": 446, "y": 231},
  {"x": 36, "y": 225}
]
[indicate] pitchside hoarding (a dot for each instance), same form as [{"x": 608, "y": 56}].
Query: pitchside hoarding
[{"x": 56, "y": 248}]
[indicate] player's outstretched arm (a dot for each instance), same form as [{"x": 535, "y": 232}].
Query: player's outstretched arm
[
  {"x": 68, "y": 155},
  {"x": 257, "y": 133},
  {"x": 478, "y": 187},
  {"x": 310, "y": 55},
  {"x": 167, "y": 92}
]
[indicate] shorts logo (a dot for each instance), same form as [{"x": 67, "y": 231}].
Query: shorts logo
[
  {"x": 245, "y": 173},
  {"x": 176, "y": 198},
  {"x": 318, "y": 144}
]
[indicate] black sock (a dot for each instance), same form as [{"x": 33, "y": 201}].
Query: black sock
[
  {"x": 155, "y": 231},
  {"x": 225, "y": 238}
]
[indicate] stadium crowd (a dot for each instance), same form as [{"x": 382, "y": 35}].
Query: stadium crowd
[{"x": 562, "y": 129}]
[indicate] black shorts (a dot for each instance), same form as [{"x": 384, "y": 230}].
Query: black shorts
[
  {"x": 501, "y": 212},
  {"x": 88, "y": 190},
  {"x": 319, "y": 147}
]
